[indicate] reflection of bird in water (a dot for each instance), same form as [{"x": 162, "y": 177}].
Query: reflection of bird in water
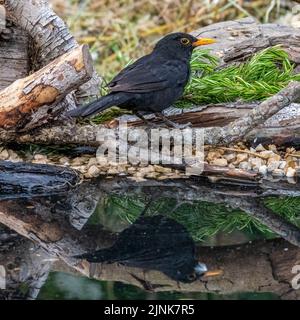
[{"x": 154, "y": 243}]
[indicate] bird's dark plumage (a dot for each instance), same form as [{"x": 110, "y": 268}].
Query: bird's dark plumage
[
  {"x": 152, "y": 83},
  {"x": 154, "y": 243}
]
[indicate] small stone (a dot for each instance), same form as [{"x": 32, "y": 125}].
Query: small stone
[
  {"x": 267, "y": 154},
  {"x": 92, "y": 162},
  {"x": 290, "y": 172},
  {"x": 219, "y": 162},
  {"x": 256, "y": 163},
  {"x": 260, "y": 147},
  {"x": 212, "y": 155},
  {"x": 40, "y": 157},
  {"x": 77, "y": 161},
  {"x": 14, "y": 157},
  {"x": 272, "y": 147},
  {"x": 273, "y": 165},
  {"x": 147, "y": 169},
  {"x": 92, "y": 172},
  {"x": 282, "y": 164},
  {"x": 263, "y": 170},
  {"x": 231, "y": 166},
  {"x": 162, "y": 169},
  {"x": 64, "y": 161},
  {"x": 131, "y": 170},
  {"x": 273, "y": 158},
  {"x": 241, "y": 157},
  {"x": 81, "y": 169},
  {"x": 230, "y": 157},
  {"x": 152, "y": 175},
  {"x": 290, "y": 164},
  {"x": 4, "y": 155},
  {"x": 278, "y": 173},
  {"x": 112, "y": 171},
  {"x": 244, "y": 165}
]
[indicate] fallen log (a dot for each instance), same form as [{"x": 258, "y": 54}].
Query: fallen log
[
  {"x": 48, "y": 86},
  {"x": 29, "y": 180}
]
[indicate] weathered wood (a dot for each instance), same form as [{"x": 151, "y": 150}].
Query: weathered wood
[
  {"x": 14, "y": 56},
  {"x": 50, "y": 35},
  {"x": 28, "y": 180},
  {"x": 48, "y": 86}
]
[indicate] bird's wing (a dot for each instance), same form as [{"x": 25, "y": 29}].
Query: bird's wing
[{"x": 149, "y": 73}]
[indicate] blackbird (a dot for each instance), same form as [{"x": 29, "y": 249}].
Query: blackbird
[
  {"x": 152, "y": 83},
  {"x": 154, "y": 243}
]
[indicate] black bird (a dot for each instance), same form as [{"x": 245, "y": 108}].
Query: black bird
[
  {"x": 154, "y": 243},
  {"x": 152, "y": 83}
]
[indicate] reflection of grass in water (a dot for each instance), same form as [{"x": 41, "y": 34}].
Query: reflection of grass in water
[
  {"x": 203, "y": 219},
  {"x": 62, "y": 286}
]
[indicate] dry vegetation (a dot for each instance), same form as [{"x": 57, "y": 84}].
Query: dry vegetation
[{"x": 119, "y": 31}]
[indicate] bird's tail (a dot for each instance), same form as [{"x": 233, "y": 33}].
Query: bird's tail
[{"x": 99, "y": 105}]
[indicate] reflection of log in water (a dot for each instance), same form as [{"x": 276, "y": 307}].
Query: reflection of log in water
[{"x": 261, "y": 266}]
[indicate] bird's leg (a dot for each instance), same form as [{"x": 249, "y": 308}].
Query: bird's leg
[
  {"x": 148, "y": 123},
  {"x": 171, "y": 123}
]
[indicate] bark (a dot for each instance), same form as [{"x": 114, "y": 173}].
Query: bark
[
  {"x": 48, "y": 86},
  {"x": 50, "y": 35},
  {"x": 14, "y": 56}
]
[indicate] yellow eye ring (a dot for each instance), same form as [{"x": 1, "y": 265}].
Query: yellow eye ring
[{"x": 185, "y": 41}]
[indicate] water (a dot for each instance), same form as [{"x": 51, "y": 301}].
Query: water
[{"x": 152, "y": 235}]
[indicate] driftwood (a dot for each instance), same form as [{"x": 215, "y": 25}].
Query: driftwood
[
  {"x": 48, "y": 86},
  {"x": 263, "y": 265}
]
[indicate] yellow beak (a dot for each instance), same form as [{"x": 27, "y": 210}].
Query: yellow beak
[
  {"x": 213, "y": 273},
  {"x": 203, "y": 41}
]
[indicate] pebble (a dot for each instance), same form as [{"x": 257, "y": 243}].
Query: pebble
[
  {"x": 219, "y": 162},
  {"x": 263, "y": 170},
  {"x": 278, "y": 173},
  {"x": 244, "y": 165},
  {"x": 40, "y": 157},
  {"x": 92, "y": 172},
  {"x": 273, "y": 165},
  {"x": 259, "y": 148},
  {"x": 162, "y": 169},
  {"x": 241, "y": 157},
  {"x": 4, "y": 155},
  {"x": 290, "y": 172},
  {"x": 78, "y": 161}
]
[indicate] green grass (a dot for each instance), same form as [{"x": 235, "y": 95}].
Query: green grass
[
  {"x": 202, "y": 219},
  {"x": 262, "y": 76},
  {"x": 266, "y": 73}
]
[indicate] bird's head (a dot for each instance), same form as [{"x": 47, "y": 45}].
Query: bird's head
[
  {"x": 180, "y": 44},
  {"x": 189, "y": 273}
]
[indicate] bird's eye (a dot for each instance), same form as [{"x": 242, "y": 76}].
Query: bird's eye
[{"x": 185, "y": 41}]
